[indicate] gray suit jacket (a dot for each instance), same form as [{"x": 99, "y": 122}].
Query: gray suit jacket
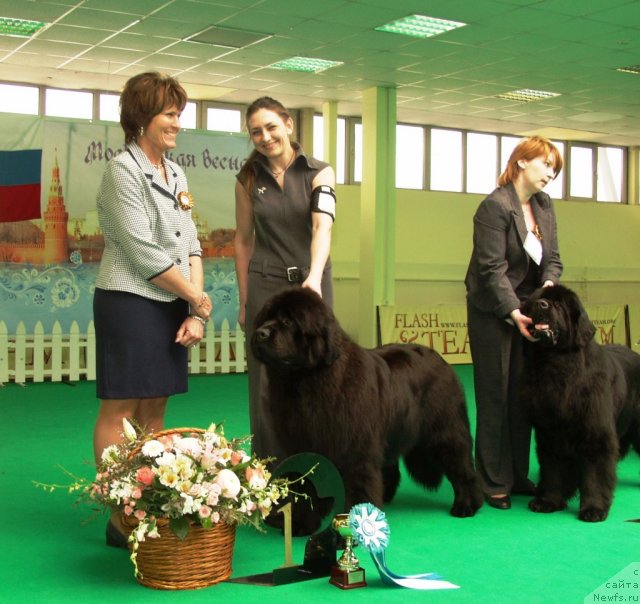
[
  {"x": 145, "y": 230},
  {"x": 499, "y": 263}
]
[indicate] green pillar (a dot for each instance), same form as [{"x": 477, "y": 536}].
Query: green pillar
[
  {"x": 304, "y": 130},
  {"x": 377, "y": 209},
  {"x": 330, "y": 128}
]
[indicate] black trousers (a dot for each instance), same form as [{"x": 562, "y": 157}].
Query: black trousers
[{"x": 503, "y": 431}]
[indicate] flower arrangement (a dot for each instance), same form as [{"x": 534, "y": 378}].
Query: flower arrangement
[{"x": 186, "y": 476}]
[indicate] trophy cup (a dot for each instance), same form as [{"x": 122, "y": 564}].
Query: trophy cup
[{"x": 346, "y": 574}]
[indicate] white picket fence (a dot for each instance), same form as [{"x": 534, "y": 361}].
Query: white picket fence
[{"x": 71, "y": 356}]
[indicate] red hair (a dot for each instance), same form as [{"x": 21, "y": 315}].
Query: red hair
[{"x": 528, "y": 149}]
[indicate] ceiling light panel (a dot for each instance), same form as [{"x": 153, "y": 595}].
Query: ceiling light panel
[
  {"x": 22, "y": 28},
  {"x": 527, "y": 95},
  {"x": 304, "y": 64},
  {"x": 420, "y": 26}
]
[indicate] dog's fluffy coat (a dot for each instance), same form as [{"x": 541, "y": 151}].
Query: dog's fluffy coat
[
  {"x": 584, "y": 404},
  {"x": 364, "y": 409}
]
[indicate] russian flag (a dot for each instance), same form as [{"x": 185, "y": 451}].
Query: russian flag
[{"x": 20, "y": 185}]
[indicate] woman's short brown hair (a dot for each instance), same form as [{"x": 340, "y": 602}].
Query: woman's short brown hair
[
  {"x": 145, "y": 96},
  {"x": 528, "y": 149}
]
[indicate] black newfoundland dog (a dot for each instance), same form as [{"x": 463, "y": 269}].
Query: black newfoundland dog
[
  {"x": 364, "y": 409},
  {"x": 584, "y": 402}
]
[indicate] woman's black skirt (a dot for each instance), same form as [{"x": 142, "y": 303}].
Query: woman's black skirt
[{"x": 136, "y": 356}]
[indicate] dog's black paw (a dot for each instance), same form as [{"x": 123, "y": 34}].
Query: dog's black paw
[
  {"x": 593, "y": 514},
  {"x": 544, "y": 506},
  {"x": 465, "y": 509}
]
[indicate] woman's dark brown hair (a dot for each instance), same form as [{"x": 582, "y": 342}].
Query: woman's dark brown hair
[
  {"x": 528, "y": 149},
  {"x": 145, "y": 96},
  {"x": 246, "y": 175}
]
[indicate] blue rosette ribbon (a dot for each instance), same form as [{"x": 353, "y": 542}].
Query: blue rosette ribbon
[{"x": 371, "y": 530}]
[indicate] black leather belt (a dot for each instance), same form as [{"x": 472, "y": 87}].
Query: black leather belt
[{"x": 292, "y": 274}]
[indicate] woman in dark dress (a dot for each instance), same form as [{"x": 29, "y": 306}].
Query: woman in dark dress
[{"x": 285, "y": 208}]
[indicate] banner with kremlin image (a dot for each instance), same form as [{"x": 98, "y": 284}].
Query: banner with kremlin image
[{"x": 48, "y": 265}]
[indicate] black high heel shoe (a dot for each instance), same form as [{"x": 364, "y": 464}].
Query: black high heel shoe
[
  {"x": 502, "y": 502},
  {"x": 114, "y": 537}
]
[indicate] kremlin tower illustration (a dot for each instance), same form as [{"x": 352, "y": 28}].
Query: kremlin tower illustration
[{"x": 56, "y": 219}]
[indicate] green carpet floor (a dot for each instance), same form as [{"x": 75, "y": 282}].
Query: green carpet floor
[{"x": 515, "y": 556}]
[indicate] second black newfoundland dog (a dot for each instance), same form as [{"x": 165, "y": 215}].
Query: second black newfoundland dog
[
  {"x": 584, "y": 402},
  {"x": 364, "y": 409}
]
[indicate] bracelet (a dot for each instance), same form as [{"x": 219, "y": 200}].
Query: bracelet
[{"x": 197, "y": 318}]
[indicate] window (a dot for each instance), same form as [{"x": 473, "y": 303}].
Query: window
[
  {"x": 409, "y": 157},
  {"x": 581, "y": 172},
  {"x": 19, "y": 99},
  {"x": 446, "y": 160},
  {"x": 610, "y": 174},
  {"x": 223, "y": 120},
  {"x": 507, "y": 145},
  {"x": 482, "y": 158},
  {"x": 357, "y": 153},
  {"x": 109, "y": 107},
  {"x": 318, "y": 144},
  {"x": 68, "y": 103},
  {"x": 188, "y": 119}
]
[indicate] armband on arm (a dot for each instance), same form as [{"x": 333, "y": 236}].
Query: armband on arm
[{"x": 323, "y": 199}]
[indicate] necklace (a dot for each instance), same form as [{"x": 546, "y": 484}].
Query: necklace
[
  {"x": 277, "y": 173},
  {"x": 158, "y": 166}
]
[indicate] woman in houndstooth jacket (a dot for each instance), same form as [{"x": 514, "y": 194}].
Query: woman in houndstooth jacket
[{"x": 149, "y": 302}]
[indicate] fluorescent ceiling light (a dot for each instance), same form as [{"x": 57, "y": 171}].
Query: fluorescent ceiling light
[
  {"x": 305, "y": 64},
  {"x": 19, "y": 27},
  {"x": 635, "y": 69},
  {"x": 420, "y": 26},
  {"x": 526, "y": 95}
]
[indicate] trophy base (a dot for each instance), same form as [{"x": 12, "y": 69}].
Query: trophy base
[{"x": 347, "y": 579}]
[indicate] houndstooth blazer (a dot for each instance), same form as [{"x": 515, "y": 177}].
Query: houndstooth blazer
[{"x": 145, "y": 230}]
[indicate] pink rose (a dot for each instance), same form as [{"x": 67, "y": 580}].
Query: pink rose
[
  {"x": 204, "y": 511},
  {"x": 128, "y": 510},
  {"x": 136, "y": 493},
  {"x": 145, "y": 475},
  {"x": 140, "y": 514}
]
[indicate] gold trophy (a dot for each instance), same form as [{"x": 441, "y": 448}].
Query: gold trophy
[{"x": 346, "y": 574}]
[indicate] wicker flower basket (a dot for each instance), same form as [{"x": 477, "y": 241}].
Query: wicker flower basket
[{"x": 202, "y": 559}]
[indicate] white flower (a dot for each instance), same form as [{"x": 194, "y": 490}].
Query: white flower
[
  {"x": 189, "y": 445},
  {"x": 152, "y": 448},
  {"x": 229, "y": 483},
  {"x": 128, "y": 430},
  {"x": 110, "y": 454}
]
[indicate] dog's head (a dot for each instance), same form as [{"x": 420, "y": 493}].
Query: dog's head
[
  {"x": 296, "y": 330},
  {"x": 559, "y": 319}
]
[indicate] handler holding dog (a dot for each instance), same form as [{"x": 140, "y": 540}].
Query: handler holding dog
[
  {"x": 515, "y": 251},
  {"x": 285, "y": 208}
]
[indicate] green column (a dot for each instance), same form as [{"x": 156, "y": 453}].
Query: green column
[
  {"x": 330, "y": 123},
  {"x": 378, "y": 208}
]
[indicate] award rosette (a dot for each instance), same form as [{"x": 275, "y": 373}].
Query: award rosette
[
  {"x": 371, "y": 530},
  {"x": 185, "y": 199}
]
